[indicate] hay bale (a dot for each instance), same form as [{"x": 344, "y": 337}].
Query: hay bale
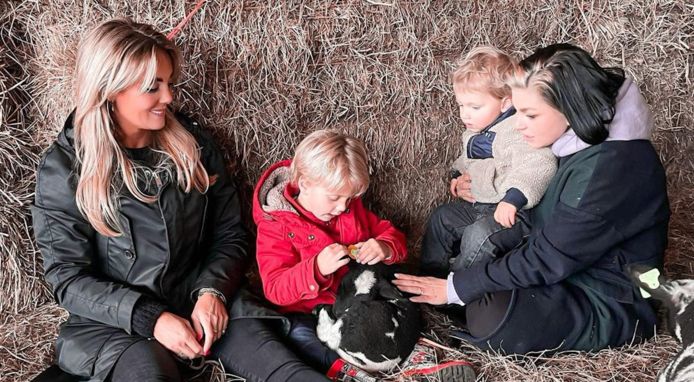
[
  {"x": 20, "y": 270},
  {"x": 262, "y": 75}
]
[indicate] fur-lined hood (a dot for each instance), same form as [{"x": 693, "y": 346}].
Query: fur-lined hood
[{"x": 269, "y": 193}]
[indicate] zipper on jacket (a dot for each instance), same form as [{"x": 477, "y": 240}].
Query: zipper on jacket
[
  {"x": 166, "y": 232},
  {"x": 204, "y": 220}
]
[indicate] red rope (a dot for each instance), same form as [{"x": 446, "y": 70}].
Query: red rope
[{"x": 185, "y": 21}]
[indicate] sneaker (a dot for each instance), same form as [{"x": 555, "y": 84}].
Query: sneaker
[
  {"x": 346, "y": 372},
  {"x": 424, "y": 365}
]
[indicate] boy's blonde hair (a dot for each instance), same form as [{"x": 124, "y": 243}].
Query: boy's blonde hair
[
  {"x": 334, "y": 160},
  {"x": 485, "y": 69}
]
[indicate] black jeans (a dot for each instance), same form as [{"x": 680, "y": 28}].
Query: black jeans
[
  {"x": 252, "y": 348},
  {"x": 460, "y": 234}
]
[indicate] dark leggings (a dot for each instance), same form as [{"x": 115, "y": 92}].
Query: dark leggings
[
  {"x": 252, "y": 348},
  {"x": 146, "y": 361},
  {"x": 485, "y": 315}
]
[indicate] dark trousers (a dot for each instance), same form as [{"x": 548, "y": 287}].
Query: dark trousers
[
  {"x": 304, "y": 339},
  {"x": 460, "y": 234},
  {"x": 251, "y": 348}
]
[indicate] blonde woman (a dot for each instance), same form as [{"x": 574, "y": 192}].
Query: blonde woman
[{"x": 138, "y": 223}]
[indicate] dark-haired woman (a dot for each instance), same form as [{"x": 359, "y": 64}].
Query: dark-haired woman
[{"x": 566, "y": 287}]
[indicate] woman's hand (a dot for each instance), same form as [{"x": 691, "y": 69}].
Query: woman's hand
[
  {"x": 209, "y": 319},
  {"x": 463, "y": 187},
  {"x": 430, "y": 290},
  {"x": 331, "y": 258},
  {"x": 372, "y": 252},
  {"x": 505, "y": 214},
  {"x": 176, "y": 334}
]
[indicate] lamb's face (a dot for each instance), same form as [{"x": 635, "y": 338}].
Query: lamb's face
[
  {"x": 681, "y": 294},
  {"x": 676, "y": 295}
]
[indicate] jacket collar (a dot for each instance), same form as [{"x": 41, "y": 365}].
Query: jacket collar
[
  {"x": 509, "y": 112},
  {"x": 66, "y": 138}
]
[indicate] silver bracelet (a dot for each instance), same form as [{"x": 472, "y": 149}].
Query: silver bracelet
[{"x": 213, "y": 291}]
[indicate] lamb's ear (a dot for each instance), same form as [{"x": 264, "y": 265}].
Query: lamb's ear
[
  {"x": 388, "y": 291},
  {"x": 328, "y": 309}
]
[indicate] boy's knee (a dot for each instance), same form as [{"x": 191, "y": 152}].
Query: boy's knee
[{"x": 440, "y": 217}]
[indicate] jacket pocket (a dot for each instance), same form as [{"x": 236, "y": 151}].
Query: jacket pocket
[{"x": 121, "y": 252}]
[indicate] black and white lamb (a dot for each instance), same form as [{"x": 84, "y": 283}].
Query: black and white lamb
[
  {"x": 677, "y": 296},
  {"x": 371, "y": 325}
]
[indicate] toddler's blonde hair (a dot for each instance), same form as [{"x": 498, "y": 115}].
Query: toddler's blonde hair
[
  {"x": 334, "y": 160},
  {"x": 485, "y": 69}
]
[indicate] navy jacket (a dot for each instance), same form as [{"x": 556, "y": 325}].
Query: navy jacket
[{"x": 606, "y": 207}]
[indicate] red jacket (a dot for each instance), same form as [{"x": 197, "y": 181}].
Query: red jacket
[{"x": 289, "y": 238}]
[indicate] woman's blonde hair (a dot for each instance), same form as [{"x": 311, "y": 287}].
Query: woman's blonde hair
[
  {"x": 485, "y": 69},
  {"x": 334, "y": 160},
  {"x": 114, "y": 56}
]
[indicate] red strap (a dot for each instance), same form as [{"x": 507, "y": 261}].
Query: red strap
[
  {"x": 185, "y": 21},
  {"x": 335, "y": 369}
]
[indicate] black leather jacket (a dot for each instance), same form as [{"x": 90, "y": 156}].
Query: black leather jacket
[{"x": 169, "y": 250}]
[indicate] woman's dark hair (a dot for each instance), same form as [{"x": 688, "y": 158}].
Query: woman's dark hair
[{"x": 571, "y": 81}]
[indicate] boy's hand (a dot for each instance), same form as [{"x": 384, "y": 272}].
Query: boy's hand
[
  {"x": 372, "y": 251},
  {"x": 505, "y": 214},
  {"x": 461, "y": 187},
  {"x": 331, "y": 258}
]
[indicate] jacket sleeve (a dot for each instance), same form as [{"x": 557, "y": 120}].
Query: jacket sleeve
[
  {"x": 286, "y": 278},
  {"x": 66, "y": 241},
  {"x": 530, "y": 170},
  {"x": 226, "y": 260},
  {"x": 383, "y": 230},
  {"x": 572, "y": 240}
]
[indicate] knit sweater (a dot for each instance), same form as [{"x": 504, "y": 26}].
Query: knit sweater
[{"x": 514, "y": 164}]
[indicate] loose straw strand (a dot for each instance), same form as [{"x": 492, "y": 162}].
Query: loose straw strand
[{"x": 185, "y": 21}]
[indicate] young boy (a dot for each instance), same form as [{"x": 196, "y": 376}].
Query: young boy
[
  {"x": 508, "y": 177},
  {"x": 308, "y": 212}
]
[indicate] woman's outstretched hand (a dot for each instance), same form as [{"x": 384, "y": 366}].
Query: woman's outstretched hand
[
  {"x": 176, "y": 334},
  {"x": 209, "y": 319},
  {"x": 429, "y": 290}
]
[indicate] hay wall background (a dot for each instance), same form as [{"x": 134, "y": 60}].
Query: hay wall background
[{"x": 262, "y": 76}]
